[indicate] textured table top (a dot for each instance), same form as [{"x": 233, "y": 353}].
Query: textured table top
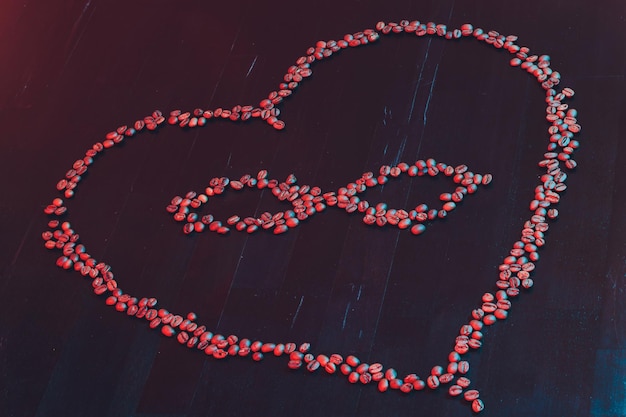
[{"x": 73, "y": 71}]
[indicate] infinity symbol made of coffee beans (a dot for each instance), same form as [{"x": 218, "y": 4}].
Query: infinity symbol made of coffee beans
[{"x": 307, "y": 200}]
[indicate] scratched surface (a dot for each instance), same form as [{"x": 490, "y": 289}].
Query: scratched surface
[{"x": 74, "y": 70}]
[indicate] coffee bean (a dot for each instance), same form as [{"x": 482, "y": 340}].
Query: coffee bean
[
  {"x": 489, "y": 307},
  {"x": 432, "y": 381},
  {"x": 406, "y": 387},
  {"x": 478, "y": 313},
  {"x": 476, "y": 324},
  {"x": 353, "y": 377},
  {"x": 383, "y": 385},
  {"x": 419, "y": 385},
  {"x": 471, "y": 395},
  {"x": 418, "y": 229},
  {"x": 345, "y": 369},
  {"x": 395, "y": 383},
  {"x": 182, "y": 337},
  {"x": 410, "y": 378},
  {"x": 455, "y": 390},
  {"x": 500, "y": 314},
  {"x": 362, "y": 368},
  {"x": 156, "y": 322},
  {"x": 336, "y": 358},
  {"x": 268, "y": 347},
  {"x": 330, "y": 368},
  {"x": 461, "y": 348},
  {"x": 454, "y": 357},
  {"x": 436, "y": 370},
  {"x": 446, "y": 378},
  {"x": 478, "y": 405},
  {"x": 322, "y": 359},
  {"x": 365, "y": 378},
  {"x": 391, "y": 374},
  {"x": 463, "y": 382},
  {"x": 375, "y": 367}
]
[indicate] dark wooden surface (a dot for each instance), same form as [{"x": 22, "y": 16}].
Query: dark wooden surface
[{"x": 71, "y": 71}]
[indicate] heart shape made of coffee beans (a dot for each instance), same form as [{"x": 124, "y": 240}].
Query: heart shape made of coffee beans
[{"x": 515, "y": 272}]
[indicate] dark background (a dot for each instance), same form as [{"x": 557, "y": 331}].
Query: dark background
[{"x": 72, "y": 71}]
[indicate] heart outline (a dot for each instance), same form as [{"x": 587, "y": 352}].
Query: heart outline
[{"x": 74, "y": 253}]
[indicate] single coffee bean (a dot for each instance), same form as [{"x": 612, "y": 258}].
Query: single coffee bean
[
  {"x": 478, "y": 405},
  {"x": 463, "y": 382},
  {"x": 455, "y": 390},
  {"x": 471, "y": 395},
  {"x": 432, "y": 381},
  {"x": 383, "y": 385},
  {"x": 419, "y": 385},
  {"x": 391, "y": 374}
]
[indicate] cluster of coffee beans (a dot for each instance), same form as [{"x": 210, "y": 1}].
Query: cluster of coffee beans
[{"x": 514, "y": 272}]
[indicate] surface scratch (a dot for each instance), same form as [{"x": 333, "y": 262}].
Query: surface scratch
[
  {"x": 21, "y": 245},
  {"x": 419, "y": 81},
  {"x": 251, "y": 66},
  {"x": 295, "y": 316},
  {"x": 232, "y": 281},
  {"x": 430, "y": 93},
  {"x": 75, "y": 29},
  {"x": 398, "y": 157},
  {"x": 223, "y": 69},
  {"x": 345, "y": 317}
]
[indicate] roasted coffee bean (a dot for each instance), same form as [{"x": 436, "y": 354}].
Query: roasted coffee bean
[
  {"x": 471, "y": 395},
  {"x": 383, "y": 385},
  {"x": 455, "y": 390},
  {"x": 446, "y": 378},
  {"x": 391, "y": 374},
  {"x": 463, "y": 382},
  {"x": 454, "y": 357},
  {"x": 478, "y": 405},
  {"x": 419, "y": 385},
  {"x": 432, "y": 381},
  {"x": 463, "y": 367}
]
